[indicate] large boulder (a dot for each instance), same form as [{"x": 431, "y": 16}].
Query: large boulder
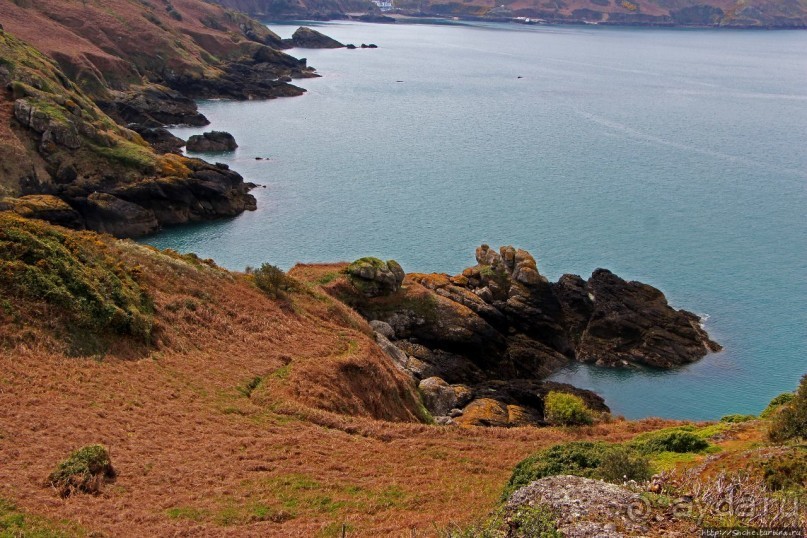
[
  {"x": 374, "y": 277},
  {"x": 308, "y": 38},
  {"x": 211, "y": 142},
  {"x": 581, "y": 507},
  {"x": 440, "y": 398}
]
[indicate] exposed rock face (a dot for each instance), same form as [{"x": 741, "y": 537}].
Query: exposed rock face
[
  {"x": 212, "y": 142},
  {"x": 499, "y": 328},
  {"x": 153, "y": 106},
  {"x": 308, "y": 38},
  {"x": 266, "y": 75}
]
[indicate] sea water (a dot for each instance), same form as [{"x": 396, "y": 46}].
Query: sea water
[{"x": 673, "y": 157}]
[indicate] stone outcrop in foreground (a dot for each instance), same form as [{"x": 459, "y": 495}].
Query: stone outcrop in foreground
[{"x": 481, "y": 343}]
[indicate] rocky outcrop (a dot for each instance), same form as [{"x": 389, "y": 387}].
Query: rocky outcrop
[
  {"x": 212, "y": 142},
  {"x": 267, "y": 74},
  {"x": 133, "y": 209},
  {"x": 618, "y": 323},
  {"x": 153, "y": 106},
  {"x": 499, "y": 328},
  {"x": 308, "y": 38},
  {"x": 62, "y": 159}
]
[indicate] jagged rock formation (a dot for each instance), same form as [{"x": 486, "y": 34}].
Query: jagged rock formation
[
  {"x": 212, "y": 142},
  {"x": 308, "y": 38},
  {"x": 481, "y": 342}
]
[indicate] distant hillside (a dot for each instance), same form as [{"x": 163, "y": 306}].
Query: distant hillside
[
  {"x": 730, "y": 13},
  {"x": 291, "y": 9},
  {"x": 117, "y": 43}
]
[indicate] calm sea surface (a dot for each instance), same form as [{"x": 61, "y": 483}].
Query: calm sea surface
[{"x": 675, "y": 157}]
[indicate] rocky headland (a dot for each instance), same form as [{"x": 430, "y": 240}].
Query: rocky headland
[
  {"x": 86, "y": 92},
  {"x": 481, "y": 343}
]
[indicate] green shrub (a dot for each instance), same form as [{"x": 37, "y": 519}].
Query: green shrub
[
  {"x": 564, "y": 409},
  {"x": 734, "y": 419},
  {"x": 787, "y": 471},
  {"x": 790, "y": 422},
  {"x": 613, "y": 463},
  {"x": 620, "y": 464},
  {"x": 271, "y": 280},
  {"x": 85, "y": 471},
  {"x": 669, "y": 440},
  {"x": 579, "y": 458},
  {"x": 776, "y": 404}
]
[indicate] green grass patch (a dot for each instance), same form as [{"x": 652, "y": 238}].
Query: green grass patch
[
  {"x": 185, "y": 512},
  {"x": 128, "y": 154},
  {"x": 15, "y": 523}
]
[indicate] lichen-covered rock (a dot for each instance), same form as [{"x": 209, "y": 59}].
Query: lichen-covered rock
[
  {"x": 440, "y": 398},
  {"x": 500, "y": 328},
  {"x": 211, "y": 142},
  {"x": 582, "y": 507},
  {"x": 374, "y": 277},
  {"x": 44, "y": 207}
]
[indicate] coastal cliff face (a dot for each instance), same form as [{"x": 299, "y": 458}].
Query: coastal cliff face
[{"x": 480, "y": 343}]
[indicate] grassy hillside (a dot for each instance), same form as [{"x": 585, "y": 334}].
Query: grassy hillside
[
  {"x": 234, "y": 413},
  {"x": 228, "y": 410}
]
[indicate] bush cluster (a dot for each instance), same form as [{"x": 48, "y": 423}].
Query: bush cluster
[
  {"x": 610, "y": 462},
  {"x": 562, "y": 409},
  {"x": 85, "y": 471},
  {"x": 790, "y": 420},
  {"x": 271, "y": 280}
]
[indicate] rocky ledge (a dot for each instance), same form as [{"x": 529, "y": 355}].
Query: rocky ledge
[{"x": 480, "y": 343}]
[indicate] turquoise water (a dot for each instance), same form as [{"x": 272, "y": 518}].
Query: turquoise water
[{"x": 675, "y": 157}]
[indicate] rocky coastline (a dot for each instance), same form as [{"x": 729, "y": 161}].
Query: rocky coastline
[
  {"x": 481, "y": 344},
  {"x": 86, "y": 146}
]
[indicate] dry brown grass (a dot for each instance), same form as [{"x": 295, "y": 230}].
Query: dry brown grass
[{"x": 201, "y": 448}]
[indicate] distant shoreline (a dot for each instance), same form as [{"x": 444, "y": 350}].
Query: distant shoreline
[{"x": 427, "y": 18}]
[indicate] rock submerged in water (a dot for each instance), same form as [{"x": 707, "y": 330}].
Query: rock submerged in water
[
  {"x": 499, "y": 328},
  {"x": 211, "y": 142}
]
